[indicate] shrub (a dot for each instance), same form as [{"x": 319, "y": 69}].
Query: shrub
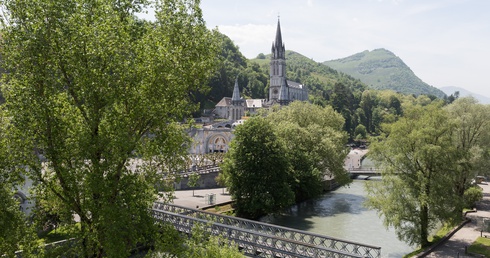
[{"x": 471, "y": 196}]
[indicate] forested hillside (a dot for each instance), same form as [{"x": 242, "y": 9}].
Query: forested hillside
[
  {"x": 381, "y": 69},
  {"x": 319, "y": 78},
  {"x": 253, "y": 76},
  {"x": 363, "y": 108}
]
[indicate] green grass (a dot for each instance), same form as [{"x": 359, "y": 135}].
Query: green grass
[
  {"x": 226, "y": 209},
  {"x": 446, "y": 228},
  {"x": 480, "y": 246},
  {"x": 61, "y": 233},
  {"x": 414, "y": 253}
]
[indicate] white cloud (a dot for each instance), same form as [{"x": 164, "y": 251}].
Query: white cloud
[{"x": 251, "y": 38}]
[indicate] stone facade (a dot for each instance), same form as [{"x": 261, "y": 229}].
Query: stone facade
[{"x": 209, "y": 139}]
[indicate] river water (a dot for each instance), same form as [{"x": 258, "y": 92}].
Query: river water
[{"x": 341, "y": 214}]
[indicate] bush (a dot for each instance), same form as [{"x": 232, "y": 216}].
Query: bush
[{"x": 471, "y": 196}]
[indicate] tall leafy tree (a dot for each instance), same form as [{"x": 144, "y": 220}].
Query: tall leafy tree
[
  {"x": 314, "y": 143},
  {"x": 416, "y": 157},
  {"x": 89, "y": 87},
  {"x": 256, "y": 170},
  {"x": 368, "y": 103},
  {"x": 472, "y": 126},
  {"x": 344, "y": 102}
]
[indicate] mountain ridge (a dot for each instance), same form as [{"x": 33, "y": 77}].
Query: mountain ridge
[
  {"x": 465, "y": 93},
  {"x": 381, "y": 69}
]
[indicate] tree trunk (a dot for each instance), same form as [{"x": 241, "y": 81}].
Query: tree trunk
[{"x": 424, "y": 225}]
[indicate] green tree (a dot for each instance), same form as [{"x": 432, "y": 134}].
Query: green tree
[
  {"x": 193, "y": 181},
  {"x": 471, "y": 196},
  {"x": 89, "y": 88},
  {"x": 314, "y": 143},
  {"x": 360, "y": 132},
  {"x": 344, "y": 102},
  {"x": 17, "y": 231},
  {"x": 368, "y": 103},
  {"x": 257, "y": 170},
  {"x": 471, "y": 127},
  {"x": 415, "y": 193}
]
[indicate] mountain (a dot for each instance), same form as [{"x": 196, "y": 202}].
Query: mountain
[
  {"x": 464, "y": 93},
  {"x": 381, "y": 69}
]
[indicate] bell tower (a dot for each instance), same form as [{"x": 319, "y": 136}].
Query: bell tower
[
  {"x": 277, "y": 65},
  {"x": 237, "y": 110}
]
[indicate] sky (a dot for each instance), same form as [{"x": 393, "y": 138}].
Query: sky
[{"x": 444, "y": 42}]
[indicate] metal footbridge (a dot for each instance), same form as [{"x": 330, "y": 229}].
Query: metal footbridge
[{"x": 259, "y": 239}]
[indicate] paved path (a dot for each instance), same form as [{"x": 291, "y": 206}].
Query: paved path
[
  {"x": 185, "y": 198},
  {"x": 455, "y": 246}
]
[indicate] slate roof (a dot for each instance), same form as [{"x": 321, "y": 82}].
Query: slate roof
[
  {"x": 295, "y": 85},
  {"x": 224, "y": 102}
]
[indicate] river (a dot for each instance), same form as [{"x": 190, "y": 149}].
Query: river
[{"x": 341, "y": 214}]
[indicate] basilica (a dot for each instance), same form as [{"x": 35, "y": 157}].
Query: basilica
[
  {"x": 281, "y": 90},
  {"x": 215, "y": 136}
]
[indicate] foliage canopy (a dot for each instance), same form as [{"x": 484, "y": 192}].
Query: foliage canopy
[
  {"x": 90, "y": 88},
  {"x": 416, "y": 192},
  {"x": 256, "y": 170}
]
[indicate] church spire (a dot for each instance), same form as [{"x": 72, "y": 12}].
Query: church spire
[
  {"x": 235, "y": 98},
  {"x": 278, "y": 49}
]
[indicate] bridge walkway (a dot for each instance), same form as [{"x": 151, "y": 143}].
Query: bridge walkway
[
  {"x": 262, "y": 239},
  {"x": 355, "y": 172}
]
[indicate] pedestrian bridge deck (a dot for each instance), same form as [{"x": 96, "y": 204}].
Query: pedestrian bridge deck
[{"x": 262, "y": 239}]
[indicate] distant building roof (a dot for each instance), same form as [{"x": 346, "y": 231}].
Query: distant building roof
[
  {"x": 224, "y": 102},
  {"x": 254, "y": 103},
  {"x": 295, "y": 84}
]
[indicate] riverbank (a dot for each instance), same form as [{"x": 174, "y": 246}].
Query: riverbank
[{"x": 457, "y": 241}]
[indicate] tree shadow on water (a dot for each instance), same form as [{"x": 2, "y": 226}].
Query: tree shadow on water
[{"x": 300, "y": 216}]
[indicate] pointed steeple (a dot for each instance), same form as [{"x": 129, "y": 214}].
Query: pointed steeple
[
  {"x": 235, "y": 98},
  {"x": 283, "y": 93},
  {"x": 278, "y": 49},
  {"x": 278, "y": 33}
]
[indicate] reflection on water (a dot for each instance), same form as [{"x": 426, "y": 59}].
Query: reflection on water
[{"x": 341, "y": 214}]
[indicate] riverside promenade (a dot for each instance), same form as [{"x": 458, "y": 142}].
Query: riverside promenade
[{"x": 456, "y": 244}]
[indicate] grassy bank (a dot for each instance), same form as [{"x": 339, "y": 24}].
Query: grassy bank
[{"x": 481, "y": 246}]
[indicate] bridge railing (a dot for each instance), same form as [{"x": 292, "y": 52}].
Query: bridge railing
[
  {"x": 362, "y": 250},
  {"x": 354, "y": 172},
  {"x": 251, "y": 242},
  {"x": 201, "y": 170}
]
